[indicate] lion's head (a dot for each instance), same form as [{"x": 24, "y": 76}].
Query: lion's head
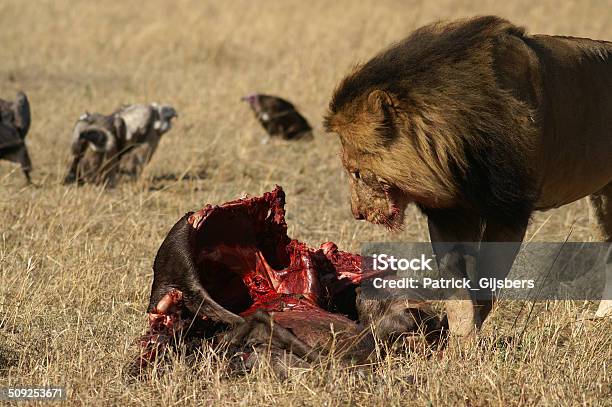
[
  {"x": 388, "y": 169},
  {"x": 428, "y": 121}
]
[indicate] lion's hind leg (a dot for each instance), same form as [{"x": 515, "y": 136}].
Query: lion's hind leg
[{"x": 601, "y": 201}]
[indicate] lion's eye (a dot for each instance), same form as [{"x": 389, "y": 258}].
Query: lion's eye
[{"x": 356, "y": 174}]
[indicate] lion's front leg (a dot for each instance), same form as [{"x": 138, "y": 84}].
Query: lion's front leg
[
  {"x": 501, "y": 244},
  {"x": 455, "y": 236},
  {"x": 601, "y": 202},
  {"x": 605, "y": 305}
]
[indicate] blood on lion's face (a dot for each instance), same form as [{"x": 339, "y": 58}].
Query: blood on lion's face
[{"x": 373, "y": 199}]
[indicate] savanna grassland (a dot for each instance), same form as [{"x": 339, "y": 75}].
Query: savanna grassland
[{"x": 75, "y": 263}]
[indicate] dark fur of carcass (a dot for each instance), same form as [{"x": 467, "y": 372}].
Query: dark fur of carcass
[{"x": 230, "y": 273}]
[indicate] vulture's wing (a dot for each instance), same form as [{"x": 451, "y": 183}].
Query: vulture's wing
[
  {"x": 274, "y": 104},
  {"x": 21, "y": 109},
  {"x": 137, "y": 120},
  {"x": 9, "y": 137}
]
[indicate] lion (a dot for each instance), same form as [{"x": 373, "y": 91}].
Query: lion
[{"x": 479, "y": 124}]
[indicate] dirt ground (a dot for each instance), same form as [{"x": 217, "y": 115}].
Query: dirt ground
[{"x": 75, "y": 263}]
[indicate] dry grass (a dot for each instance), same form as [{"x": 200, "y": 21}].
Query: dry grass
[{"x": 75, "y": 264}]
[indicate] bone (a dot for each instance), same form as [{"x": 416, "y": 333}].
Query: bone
[{"x": 168, "y": 301}]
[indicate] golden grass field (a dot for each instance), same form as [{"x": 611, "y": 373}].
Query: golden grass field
[{"x": 75, "y": 263}]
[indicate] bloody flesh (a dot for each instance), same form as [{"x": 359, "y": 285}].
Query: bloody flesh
[
  {"x": 239, "y": 258},
  {"x": 247, "y": 261}
]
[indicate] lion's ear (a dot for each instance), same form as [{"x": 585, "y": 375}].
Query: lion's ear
[{"x": 381, "y": 103}]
